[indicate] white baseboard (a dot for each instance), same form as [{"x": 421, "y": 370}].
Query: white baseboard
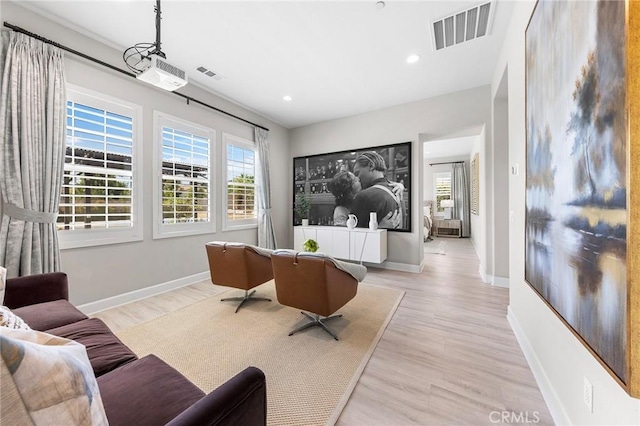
[
  {"x": 403, "y": 267},
  {"x": 132, "y": 296},
  {"x": 501, "y": 282},
  {"x": 483, "y": 275},
  {"x": 544, "y": 384}
]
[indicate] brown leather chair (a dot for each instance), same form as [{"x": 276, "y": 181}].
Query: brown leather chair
[
  {"x": 240, "y": 266},
  {"x": 315, "y": 283}
]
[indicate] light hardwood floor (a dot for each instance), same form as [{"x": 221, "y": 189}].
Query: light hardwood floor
[{"x": 448, "y": 356}]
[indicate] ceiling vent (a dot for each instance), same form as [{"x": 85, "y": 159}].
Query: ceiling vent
[
  {"x": 462, "y": 26},
  {"x": 206, "y": 71}
]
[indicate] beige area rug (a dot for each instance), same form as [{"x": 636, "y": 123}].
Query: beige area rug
[
  {"x": 435, "y": 246},
  {"x": 310, "y": 376}
]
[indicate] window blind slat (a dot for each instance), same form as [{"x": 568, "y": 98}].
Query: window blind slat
[
  {"x": 98, "y": 161},
  {"x": 185, "y": 174}
]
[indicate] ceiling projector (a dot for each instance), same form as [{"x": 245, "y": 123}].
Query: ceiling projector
[{"x": 157, "y": 71}]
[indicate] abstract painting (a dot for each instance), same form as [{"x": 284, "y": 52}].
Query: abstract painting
[{"x": 577, "y": 183}]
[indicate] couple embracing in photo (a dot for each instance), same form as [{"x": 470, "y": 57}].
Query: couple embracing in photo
[{"x": 367, "y": 190}]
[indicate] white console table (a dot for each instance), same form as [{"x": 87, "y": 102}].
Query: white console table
[{"x": 359, "y": 244}]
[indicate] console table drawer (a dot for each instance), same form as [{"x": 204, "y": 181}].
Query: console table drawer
[{"x": 447, "y": 228}]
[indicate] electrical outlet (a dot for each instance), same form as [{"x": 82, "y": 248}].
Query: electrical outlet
[{"x": 588, "y": 394}]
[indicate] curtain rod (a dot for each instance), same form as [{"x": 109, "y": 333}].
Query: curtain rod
[
  {"x": 450, "y": 162},
  {"x": 104, "y": 64}
]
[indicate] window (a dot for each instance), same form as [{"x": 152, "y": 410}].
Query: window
[
  {"x": 239, "y": 184},
  {"x": 100, "y": 202},
  {"x": 442, "y": 188},
  {"x": 183, "y": 162}
]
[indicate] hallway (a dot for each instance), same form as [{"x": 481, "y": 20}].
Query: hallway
[{"x": 449, "y": 356}]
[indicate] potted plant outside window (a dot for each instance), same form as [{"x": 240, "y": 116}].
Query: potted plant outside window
[{"x": 302, "y": 207}]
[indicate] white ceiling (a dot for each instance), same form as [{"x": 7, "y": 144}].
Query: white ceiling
[{"x": 334, "y": 59}]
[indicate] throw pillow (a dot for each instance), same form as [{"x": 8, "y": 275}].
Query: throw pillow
[
  {"x": 3, "y": 283},
  {"x": 53, "y": 378},
  {"x": 10, "y": 320}
]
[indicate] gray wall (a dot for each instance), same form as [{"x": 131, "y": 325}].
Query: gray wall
[
  {"x": 100, "y": 272},
  {"x": 441, "y": 117},
  {"x": 501, "y": 184},
  {"x": 559, "y": 361}
]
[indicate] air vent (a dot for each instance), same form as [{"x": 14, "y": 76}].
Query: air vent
[
  {"x": 462, "y": 26},
  {"x": 206, "y": 71},
  {"x": 165, "y": 66}
]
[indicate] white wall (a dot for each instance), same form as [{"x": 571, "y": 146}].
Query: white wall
[
  {"x": 435, "y": 118},
  {"x": 559, "y": 361},
  {"x": 96, "y": 273}
]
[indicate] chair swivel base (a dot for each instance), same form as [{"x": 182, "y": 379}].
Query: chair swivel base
[
  {"x": 243, "y": 300},
  {"x": 317, "y": 321}
]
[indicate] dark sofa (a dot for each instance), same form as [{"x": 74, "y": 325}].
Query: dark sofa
[{"x": 145, "y": 391}]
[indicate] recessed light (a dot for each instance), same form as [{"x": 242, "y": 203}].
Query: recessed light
[
  {"x": 412, "y": 59},
  {"x": 380, "y": 5},
  {"x": 287, "y": 98}
]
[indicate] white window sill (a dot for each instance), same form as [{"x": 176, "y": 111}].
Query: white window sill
[
  {"x": 229, "y": 228},
  {"x": 177, "y": 231},
  {"x": 69, "y": 242}
]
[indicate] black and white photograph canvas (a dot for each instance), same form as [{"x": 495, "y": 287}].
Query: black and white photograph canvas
[{"x": 372, "y": 184}]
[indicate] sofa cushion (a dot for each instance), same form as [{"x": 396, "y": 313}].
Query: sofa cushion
[
  {"x": 52, "y": 377},
  {"x": 11, "y": 320},
  {"x": 104, "y": 349},
  {"x": 37, "y": 288},
  {"x": 48, "y": 315},
  {"x": 160, "y": 389}
]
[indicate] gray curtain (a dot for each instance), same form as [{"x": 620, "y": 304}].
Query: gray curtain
[
  {"x": 266, "y": 234},
  {"x": 32, "y": 147},
  {"x": 460, "y": 193}
]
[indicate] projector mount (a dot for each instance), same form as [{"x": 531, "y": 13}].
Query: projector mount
[
  {"x": 149, "y": 62},
  {"x": 137, "y": 56}
]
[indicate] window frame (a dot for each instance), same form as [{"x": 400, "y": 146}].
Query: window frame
[
  {"x": 232, "y": 225},
  {"x": 76, "y": 238},
  {"x": 165, "y": 230},
  {"x": 437, "y": 210}
]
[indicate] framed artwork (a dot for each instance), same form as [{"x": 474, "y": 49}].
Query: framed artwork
[
  {"x": 326, "y": 182},
  {"x": 475, "y": 179},
  {"x": 579, "y": 166}
]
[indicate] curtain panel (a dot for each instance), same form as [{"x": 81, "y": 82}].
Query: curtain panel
[
  {"x": 32, "y": 134},
  {"x": 266, "y": 234},
  {"x": 460, "y": 193}
]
